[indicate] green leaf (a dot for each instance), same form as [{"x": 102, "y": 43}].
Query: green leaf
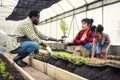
[{"x": 63, "y": 25}]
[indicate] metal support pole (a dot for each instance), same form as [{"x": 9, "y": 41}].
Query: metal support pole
[
  {"x": 56, "y": 28},
  {"x": 86, "y": 8},
  {"x": 50, "y": 27},
  {"x": 45, "y": 28},
  {"x": 102, "y": 13},
  {"x": 1, "y": 2},
  {"x": 70, "y": 25},
  {"x": 76, "y": 22}
]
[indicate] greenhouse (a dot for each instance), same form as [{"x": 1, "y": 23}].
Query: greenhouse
[{"x": 59, "y": 39}]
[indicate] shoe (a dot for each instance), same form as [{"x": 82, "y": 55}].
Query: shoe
[
  {"x": 20, "y": 63},
  {"x": 18, "y": 59},
  {"x": 24, "y": 62}
]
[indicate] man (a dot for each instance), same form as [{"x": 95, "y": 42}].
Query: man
[{"x": 29, "y": 38}]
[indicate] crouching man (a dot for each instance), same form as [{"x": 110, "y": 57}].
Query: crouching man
[{"x": 29, "y": 38}]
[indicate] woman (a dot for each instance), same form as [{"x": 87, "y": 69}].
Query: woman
[
  {"x": 84, "y": 38},
  {"x": 100, "y": 43}
]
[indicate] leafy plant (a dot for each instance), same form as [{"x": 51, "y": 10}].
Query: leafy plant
[
  {"x": 11, "y": 77},
  {"x": 75, "y": 59},
  {"x": 63, "y": 26},
  {"x": 42, "y": 47},
  {"x": 3, "y": 69}
]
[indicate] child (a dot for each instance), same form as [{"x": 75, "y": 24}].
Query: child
[{"x": 100, "y": 43}]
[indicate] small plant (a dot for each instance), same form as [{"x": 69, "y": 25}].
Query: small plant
[
  {"x": 3, "y": 69},
  {"x": 11, "y": 77},
  {"x": 42, "y": 57},
  {"x": 7, "y": 70},
  {"x": 63, "y": 27}
]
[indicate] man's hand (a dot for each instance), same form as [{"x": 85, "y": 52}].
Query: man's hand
[
  {"x": 43, "y": 44},
  {"x": 58, "y": 40},
  {"x": 49, "y": 50}
]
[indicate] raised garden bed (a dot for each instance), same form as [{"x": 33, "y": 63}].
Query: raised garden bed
[
  {"x": 55, "y": 72},
  {"x": 82, "y": 67},
  {"x": 8, "y": 71}
]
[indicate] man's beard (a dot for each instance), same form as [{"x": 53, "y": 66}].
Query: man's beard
[{"x": 35, "y": 22}]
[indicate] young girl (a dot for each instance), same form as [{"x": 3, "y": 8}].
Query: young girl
[{"x": 100, "y": 43}]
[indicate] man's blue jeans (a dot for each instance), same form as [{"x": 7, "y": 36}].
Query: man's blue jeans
[{"x": 26, "y": 46}]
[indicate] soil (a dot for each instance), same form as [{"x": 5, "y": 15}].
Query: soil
[
  {"x": 87, "y": 71},
  {"x": 71, "y": 67},
  {"x": 61, "y": 63},
  {"x": 93, "y": 73},
  {"x": 14, "y": 73}
]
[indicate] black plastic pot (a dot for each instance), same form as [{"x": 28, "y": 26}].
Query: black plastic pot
[
  {"x": 96, "y": 65},
  {"x": 80, "y": 64},
  {"x": 63, "y": 39}
]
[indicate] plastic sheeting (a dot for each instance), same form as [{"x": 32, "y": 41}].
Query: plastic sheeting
[
  {"x": 3, "y": 39},
  {"x": 3, "y": 36},
  {"x": 25, "y": 6}
]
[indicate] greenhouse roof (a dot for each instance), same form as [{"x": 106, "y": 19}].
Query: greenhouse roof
[
  {"x": 48, "y": 8},
  {"x": 21, "y": 8}
]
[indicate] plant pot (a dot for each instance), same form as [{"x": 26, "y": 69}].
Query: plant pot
[{"x": 96, "y": 65}]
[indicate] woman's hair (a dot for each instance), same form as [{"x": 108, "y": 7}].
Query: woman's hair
[
  {"x": 88, "y": 21},
  {"x": 99, "y": 29},
  {"x": 93, "y": 28}
]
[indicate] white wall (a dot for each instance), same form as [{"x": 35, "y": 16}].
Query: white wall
[{"x": 112, "y": 22}]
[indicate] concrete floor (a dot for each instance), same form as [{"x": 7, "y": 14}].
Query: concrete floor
[{"x": 36, "y": 74}]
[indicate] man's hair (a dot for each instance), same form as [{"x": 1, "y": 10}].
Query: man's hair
[{"x": 33, "y": 13}]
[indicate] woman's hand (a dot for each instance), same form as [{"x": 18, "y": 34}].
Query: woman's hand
[{"x": 68, "y": 42}]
